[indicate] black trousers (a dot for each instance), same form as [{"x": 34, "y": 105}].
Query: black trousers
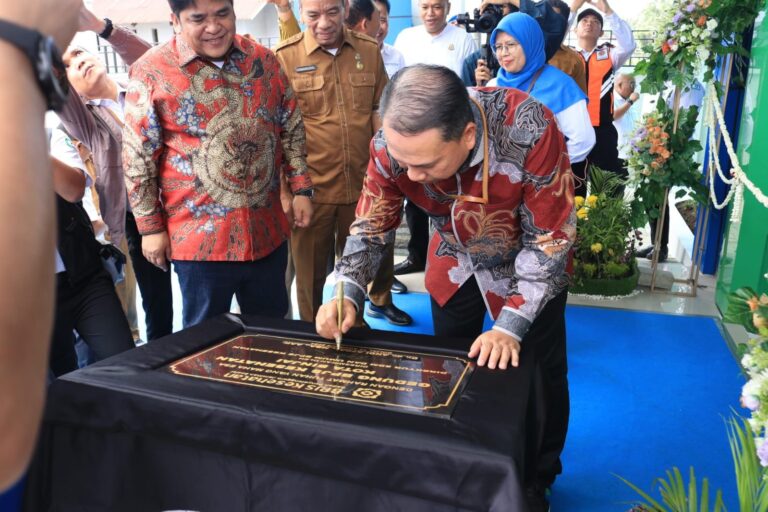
[
  {"x": 93, "y": 309},
  {"x": 548, "y": 416},
  {"x": 580, "y": 178},
  {"x": 418, "y": 225},
  {"x": 605, "y": 153},
  {"x": 654, "y": 223},
  {"x": 154, "y": 284}
]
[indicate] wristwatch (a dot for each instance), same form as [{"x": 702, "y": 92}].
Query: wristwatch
[
  {"x": 307, "y": 192},
  {"x": 45, "y": 59},
  {"x": 108, "y": 27},
  {"x": 631, "y": 101}
]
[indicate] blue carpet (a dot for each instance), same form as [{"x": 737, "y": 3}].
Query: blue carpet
[{"x": 648, "y": 392}]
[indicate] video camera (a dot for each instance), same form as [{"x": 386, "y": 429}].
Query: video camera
[{"x": 483, "y": 23}]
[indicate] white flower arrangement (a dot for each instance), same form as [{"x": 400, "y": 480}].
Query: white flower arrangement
[{"x": 689, "y": 28}]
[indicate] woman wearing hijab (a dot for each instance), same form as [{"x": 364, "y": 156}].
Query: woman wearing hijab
[{"x": 519, "y": 46}]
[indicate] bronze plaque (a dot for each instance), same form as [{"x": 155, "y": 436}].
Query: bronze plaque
[{"x": 407, "y": 381}]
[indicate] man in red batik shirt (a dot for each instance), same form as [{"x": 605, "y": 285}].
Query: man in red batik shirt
[
  {"x": 491, "y": 170},
  {"x": 211, "y": 122}
]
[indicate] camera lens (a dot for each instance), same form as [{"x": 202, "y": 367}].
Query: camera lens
[{"x": 486, "y": 23}]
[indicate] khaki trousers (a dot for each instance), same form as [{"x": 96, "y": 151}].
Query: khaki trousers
[
  {"x": 126, "y": 292},
  {"x": 311, "y": 247}
]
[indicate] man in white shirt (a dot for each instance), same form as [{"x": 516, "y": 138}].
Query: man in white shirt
[
  {"x": 626, "y": 112},
  {"x": 393, "y": 59},
  {"x": 601, "y": 62},
  {"x": 434, "y": 42}
]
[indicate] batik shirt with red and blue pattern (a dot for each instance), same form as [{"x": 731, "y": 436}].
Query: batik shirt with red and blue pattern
[
  {"x": 204, "y": 147},
  {"x": 517, "y": 246}
]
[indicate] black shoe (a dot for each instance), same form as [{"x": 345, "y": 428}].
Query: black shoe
[
  {"x": 645, "y": 251},
  {"x": 536, "y": 499},
  {"x": 407, "y": 267},
  {"x": 398, "y": 286},
  {"x": 392, "y": 313},
  {"x": 663, "y": 255}
]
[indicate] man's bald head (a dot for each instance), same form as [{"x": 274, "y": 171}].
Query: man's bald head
[{"x": 426, "y": 96}]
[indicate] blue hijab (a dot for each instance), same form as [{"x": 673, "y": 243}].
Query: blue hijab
[{"x": 553, "y": 88}]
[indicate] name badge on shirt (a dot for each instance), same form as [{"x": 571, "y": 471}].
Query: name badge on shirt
[
  {"x": 451, "y": 47},
  {"x": 602, "y": 54},
  {"x": 306, "y": 69}
]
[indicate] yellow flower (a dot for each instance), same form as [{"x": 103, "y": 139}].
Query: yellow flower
[
  {"x": 581, "y": 213},
  {"x": 596, "y": 248},
  {"x": 592, "y": 201},
  {"x": 579, "y": 201}
]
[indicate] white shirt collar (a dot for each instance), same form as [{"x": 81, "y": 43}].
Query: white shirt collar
[{"x": 106, "y": 101}]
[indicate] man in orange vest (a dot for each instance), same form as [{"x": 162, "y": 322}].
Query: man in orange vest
[{"x": 600, "y": 63}]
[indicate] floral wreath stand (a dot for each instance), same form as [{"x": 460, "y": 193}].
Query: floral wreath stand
[{"x": 702, "y": 211}]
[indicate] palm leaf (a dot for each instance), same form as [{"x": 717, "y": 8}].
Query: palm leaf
[{"x": 649, "y": 502}]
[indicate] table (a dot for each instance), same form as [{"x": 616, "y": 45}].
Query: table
[{"x": 126, "y": 434}]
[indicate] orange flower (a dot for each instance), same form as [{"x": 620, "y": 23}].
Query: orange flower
[
  {"x": 655, "y": 165},
  {"x": 665, "y": 153},
  {"x": 665, "y": 48},
  {"x": 701, "y": 21}
]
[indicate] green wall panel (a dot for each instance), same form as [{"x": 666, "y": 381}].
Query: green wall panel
[{"x": 744, "y": 259}]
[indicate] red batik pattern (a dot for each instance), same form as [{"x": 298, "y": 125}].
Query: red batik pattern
[{"x": 204, "y": 148}]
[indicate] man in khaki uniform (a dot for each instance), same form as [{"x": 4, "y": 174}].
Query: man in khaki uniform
[{"x": 338, "y": 76}]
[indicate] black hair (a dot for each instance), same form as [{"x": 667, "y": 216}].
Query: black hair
[
  {"x": 179, "y": 5},
  {"x": 359, "y": 10},
  {"x": 426, "y": 96},
  {"x": 385, "y": 3}
]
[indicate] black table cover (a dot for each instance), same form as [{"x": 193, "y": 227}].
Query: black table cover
[{"x": 127, "y": 435}]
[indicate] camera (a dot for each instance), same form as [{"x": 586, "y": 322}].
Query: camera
[{"x": 483, "y": 23}]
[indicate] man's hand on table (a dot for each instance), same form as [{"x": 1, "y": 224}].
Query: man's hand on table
[{"x": 496, "y": 348}]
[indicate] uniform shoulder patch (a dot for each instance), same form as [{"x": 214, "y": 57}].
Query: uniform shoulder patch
[
  {"x": 364, "y": 37},
  {"x": 290, "y": 41}
]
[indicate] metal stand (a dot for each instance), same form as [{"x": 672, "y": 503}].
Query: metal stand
[{"x": 699, "y": 238}]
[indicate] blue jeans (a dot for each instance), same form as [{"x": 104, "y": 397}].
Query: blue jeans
[{"x": 207, "y": 287}]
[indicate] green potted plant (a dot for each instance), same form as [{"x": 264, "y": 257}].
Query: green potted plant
[{"x": 604, "y": 257}]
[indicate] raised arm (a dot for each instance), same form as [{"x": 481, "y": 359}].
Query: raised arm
[
  {"x": 75, "y": 116},
  {"x": 288, "y": 24},
  {"x": 126, "y": 43},
  {"x": 624, "y": 40}
]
